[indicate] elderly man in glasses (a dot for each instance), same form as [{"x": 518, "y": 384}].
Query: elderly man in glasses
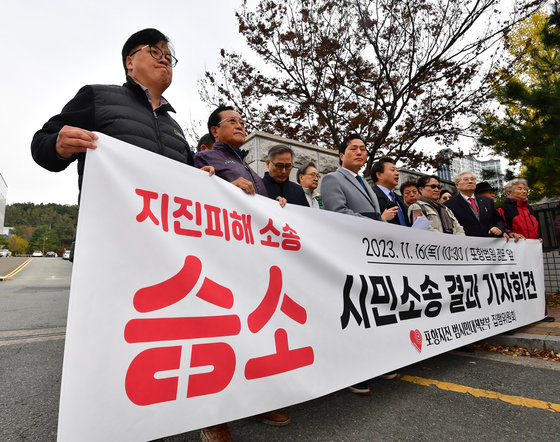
[
  {"x": 228, "y": 133},
  {"x": 428, "y": 206},
  {"x": 476, "y": 214},
  {"x": 227, "y": 130},
  {"x": 277, "y": 179},
  {"x": 308, "y": 177},
  {"x": 135, "y": 112}
]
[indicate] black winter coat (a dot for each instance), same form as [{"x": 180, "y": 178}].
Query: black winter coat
[
  {"x": 123, "y": 112},
  {"x": 291, "y": 191},
  {"x": 488, "y": 216}
]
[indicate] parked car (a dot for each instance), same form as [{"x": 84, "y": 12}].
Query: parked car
[
  {"x": 4, "y": 253},
  {"x": 66, "y": 254},
  {"x": 51, "y": 254},
  {"x": 37, "y": 254}
]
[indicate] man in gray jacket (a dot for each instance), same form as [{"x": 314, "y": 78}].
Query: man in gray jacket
[
  {"x": 344, "y": 190},
  {"x": 347, "y": 192}
]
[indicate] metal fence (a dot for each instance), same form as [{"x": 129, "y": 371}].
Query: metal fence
[{"x": 549, "y": 222}]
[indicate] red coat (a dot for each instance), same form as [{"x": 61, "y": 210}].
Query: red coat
[{"x": 520, "y": 218}]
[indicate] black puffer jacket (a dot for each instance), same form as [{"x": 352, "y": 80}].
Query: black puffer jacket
[{"x": 123, "y": 112}]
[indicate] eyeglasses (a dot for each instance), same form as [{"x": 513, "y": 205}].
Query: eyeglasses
[
  {"x": 471, "y": 178},
  {"x": 312, "y": 175},
  {"x": 282, "y": 166},
  {"x": 434, "y": 186},
  {"x": 157, "y": 54},
  {"x": 233, "y": 120}
]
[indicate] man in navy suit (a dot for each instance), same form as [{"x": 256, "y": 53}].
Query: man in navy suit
[
  {"x": 476, "y": 214},
  {"x": 385, "y": 175}
]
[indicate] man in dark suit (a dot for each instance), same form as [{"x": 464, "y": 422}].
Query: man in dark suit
[
  {"x": 476, "y": 214},
  {"x": 385, "y": 175},
  {"x": 344, "y": 190}
]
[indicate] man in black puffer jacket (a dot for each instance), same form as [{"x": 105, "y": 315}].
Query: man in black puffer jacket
[{"x": 135, "y": 112}]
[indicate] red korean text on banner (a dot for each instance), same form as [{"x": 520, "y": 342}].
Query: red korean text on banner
[
  {"x": 140, "y": 385},
  {"x": 284, "y": 359}
]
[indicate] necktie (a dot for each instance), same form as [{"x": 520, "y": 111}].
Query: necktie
[
  {"x": 361, "y": 181},
  {"x": 400, "y": 212},
  {"x": 471, "y": 199}
]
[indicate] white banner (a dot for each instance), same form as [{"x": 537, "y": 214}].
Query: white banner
[{"x": 193, "y": 303}]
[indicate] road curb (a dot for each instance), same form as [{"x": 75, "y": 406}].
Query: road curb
[
  {"x": 527, "y": 340},
  {"x": 16, "y": 270}
]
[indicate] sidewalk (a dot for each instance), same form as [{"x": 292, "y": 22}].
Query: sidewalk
[{"x": 541, "y": 335}]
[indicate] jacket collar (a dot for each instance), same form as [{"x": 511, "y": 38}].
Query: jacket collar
[
  {"x": 267, "y": 177},
  {"x": 137, "y": 89},
  {"x": 518, "y": 202},
  {"x": 349, "y": 175},
  {"x": 224, "y": 147}
]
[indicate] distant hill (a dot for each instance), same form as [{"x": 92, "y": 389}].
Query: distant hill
[{"x": 59, "y": 219}]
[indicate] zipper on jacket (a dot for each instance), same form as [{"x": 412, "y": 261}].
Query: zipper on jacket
[
  {"x": 246, "y": 166},
  {"x": 158, "y": 133}
]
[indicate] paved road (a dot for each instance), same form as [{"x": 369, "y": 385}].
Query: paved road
[
  {"x": 33, "y": 308},
  {"x": 476, "y": 396},
  {"x": 37, "y": 297},
  {"x": 11, "y": 263},
  {"x": 400, "y": 410}
]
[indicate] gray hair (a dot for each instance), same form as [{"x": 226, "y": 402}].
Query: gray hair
[
  {"x": 461, "y": 174},
  {"x": 510, "y": 185},
  {"x": 302, "y": 169},
  {"x": 278, "y": 149}
]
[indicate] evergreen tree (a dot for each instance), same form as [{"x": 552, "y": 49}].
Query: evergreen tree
[
  {"x": 28, "y": 217},
  {"x": 526, "y": 129},
  {"x": 43, "y": 239}
]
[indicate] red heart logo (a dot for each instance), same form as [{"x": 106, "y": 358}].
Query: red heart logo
[{"x": 416, "y": 339}]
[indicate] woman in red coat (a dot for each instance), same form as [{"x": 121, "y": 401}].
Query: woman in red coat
[
  {"x": 516, "y": 211},
  {"x": 519, "y": 215}
]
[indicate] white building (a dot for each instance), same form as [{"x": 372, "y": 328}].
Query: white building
[
  {"x": 3, "y": 194},
  {"x": 496, "y": 167},
  {"x": 471, "y": 164}
]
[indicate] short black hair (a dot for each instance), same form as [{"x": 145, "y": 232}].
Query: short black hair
[
  {"x": 214, "y": 118},
  {"x": 444, "y": 191},
  {"x": 346, "y": 141},
  {"x": 278, "y": 149},
  {"x": 205, "y": 139},
  {"x": 379, "y": 166},
  {"x": 149, "y": 36},
  {"x": 424, "y": 179},
  {"x": 302, "y": 169},
  {"x": 409, "y": 183}
]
